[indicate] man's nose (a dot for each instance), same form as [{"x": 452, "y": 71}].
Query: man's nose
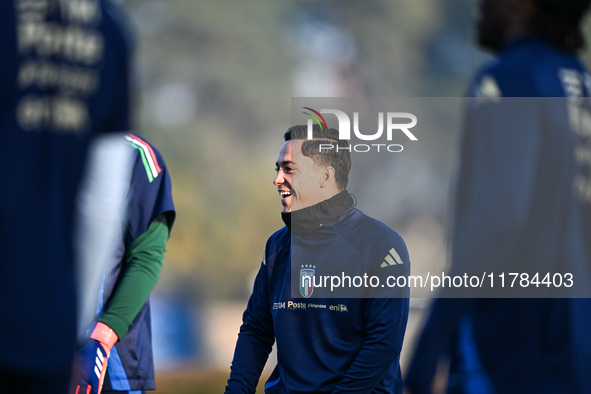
[{"x": 278, "y": 178}]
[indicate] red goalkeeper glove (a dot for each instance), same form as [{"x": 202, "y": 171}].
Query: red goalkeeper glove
[{"x": 90, "y": 364}]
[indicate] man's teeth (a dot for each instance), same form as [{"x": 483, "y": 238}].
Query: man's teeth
[{"x": 285, "y": 194}]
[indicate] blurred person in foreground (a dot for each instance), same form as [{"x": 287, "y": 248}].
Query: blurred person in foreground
[
  {"x": 64, "y": 80},
  {"x": 324, "y": 344},
  {"x": 122, "y": 334},
  {"x": 522, "y": 205}
]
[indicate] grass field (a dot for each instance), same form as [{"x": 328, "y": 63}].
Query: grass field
[{"x": 195, "y": 382}]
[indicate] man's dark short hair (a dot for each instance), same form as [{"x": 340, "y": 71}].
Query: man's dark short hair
[
  {"x": 559, "y": 22},
  {"x": 338, "y": 158}
]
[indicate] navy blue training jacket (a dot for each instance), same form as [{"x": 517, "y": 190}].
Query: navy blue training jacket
[{"x": 326, "y": 345}]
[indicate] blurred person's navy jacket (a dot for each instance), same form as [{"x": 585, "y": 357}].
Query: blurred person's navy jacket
[
  {"x": 517, "y": 210},
  {"x": 65, "y": 78}
]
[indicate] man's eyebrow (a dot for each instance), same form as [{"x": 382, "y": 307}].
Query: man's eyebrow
[{"x": 284, "y": 162}]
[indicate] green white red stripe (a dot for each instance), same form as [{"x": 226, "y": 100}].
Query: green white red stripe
[{"x": 148, "y": 157}]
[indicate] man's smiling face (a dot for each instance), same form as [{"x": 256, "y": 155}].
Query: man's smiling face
[{"x": 298, "y": 178}]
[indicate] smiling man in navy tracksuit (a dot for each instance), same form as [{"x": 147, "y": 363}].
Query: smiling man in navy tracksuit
[{"x": 324, "y": 345}]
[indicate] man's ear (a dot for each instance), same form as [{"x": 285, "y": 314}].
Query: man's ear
[{"x": 327, "y": 177}]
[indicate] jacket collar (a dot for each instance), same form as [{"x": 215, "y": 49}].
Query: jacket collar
[{"x": 309, "y": 219}]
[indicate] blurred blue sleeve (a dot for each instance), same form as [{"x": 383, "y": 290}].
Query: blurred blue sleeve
[{"x": 497, "y": 174}]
